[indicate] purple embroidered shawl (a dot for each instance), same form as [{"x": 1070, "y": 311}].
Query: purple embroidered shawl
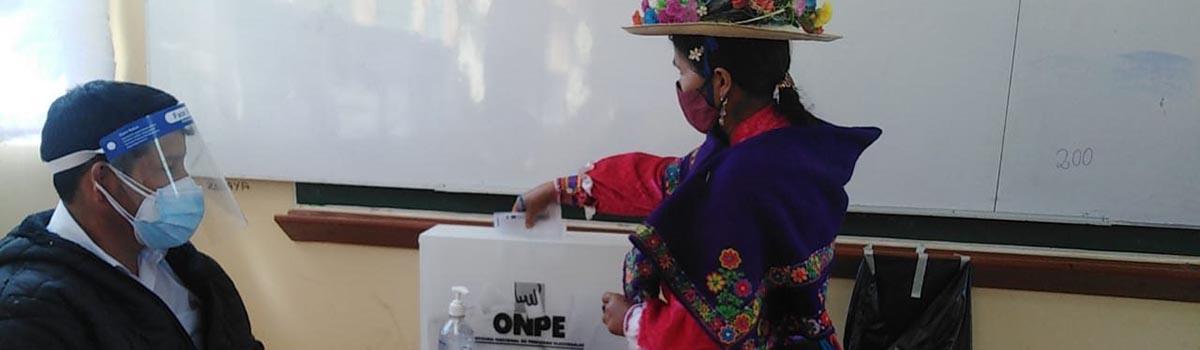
[{"x": 745, "y": 239}]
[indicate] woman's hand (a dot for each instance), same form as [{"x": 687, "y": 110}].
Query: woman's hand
[
  {"x": 615, "y": 306},
  {"x": 535, "y": 202}
]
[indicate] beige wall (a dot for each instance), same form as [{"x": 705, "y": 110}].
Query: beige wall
[
  {"x": 327, "y": 296},
  {"x": 25, "y": 185},
  {"x": 312, "y": 295}
]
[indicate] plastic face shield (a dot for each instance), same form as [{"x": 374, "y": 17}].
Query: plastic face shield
[{"x": 163, "y": 155}]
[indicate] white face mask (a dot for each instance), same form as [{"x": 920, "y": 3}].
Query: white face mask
[{"x": 166, "y": 218}]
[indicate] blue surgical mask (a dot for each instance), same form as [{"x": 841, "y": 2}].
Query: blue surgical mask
[{"x": 168, "y": 217}]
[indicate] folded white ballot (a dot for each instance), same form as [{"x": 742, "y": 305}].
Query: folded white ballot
[{"x": 549, "y": 225}]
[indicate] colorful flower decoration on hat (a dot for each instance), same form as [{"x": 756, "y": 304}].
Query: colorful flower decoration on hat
[
  {"x": 763, "y": 6},
  {"x": 806, "y": 15},
  {"x": 813, "y": 19}
]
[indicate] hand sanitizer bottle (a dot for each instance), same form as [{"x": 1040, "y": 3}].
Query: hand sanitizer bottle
[{"x": 456, "y": 334}]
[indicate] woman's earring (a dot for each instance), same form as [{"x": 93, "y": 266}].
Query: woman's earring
[{"x": 721, "y": 120}]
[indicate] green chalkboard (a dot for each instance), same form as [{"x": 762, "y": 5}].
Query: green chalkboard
[{"x": 1018, "y": 233}]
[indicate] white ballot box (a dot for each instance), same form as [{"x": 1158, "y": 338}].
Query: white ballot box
[{"x": 525, "y": 293}]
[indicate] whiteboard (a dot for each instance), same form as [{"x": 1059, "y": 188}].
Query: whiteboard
[
  {"x": 937, "y": 88},
  {"x": 1105, "y": 112},
  {"x": 449, "y": 95},
  {"x": 975, "y": 98}
]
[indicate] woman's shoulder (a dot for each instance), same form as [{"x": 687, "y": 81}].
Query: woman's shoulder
[
  {"x": 782, "y": 152},
  {"x": 818, "y": 136}
]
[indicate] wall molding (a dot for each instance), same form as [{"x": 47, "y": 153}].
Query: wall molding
[{"x": 1075, "y": 275}]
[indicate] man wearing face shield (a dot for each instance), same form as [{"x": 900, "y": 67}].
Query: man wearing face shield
[{"x": 111, "y": 266}]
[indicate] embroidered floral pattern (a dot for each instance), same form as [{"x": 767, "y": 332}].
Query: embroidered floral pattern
[
  {"x": 741, "y": 324},
  {"x": 653, "y": 242},
  {"x": 690, "y": 294},
  {"x": 633, "y": 275},
  {"x": 673, "y": 175},
  {"x": 576, "y": 190},
  {"x": 799, "y": 275},
  {"x": 738, "y": 302},
  {"x": 795, "y": 331},
  {"x": 728, "y": 335},
  {"x": 730, "y": 259},
  {"x": 717, "y": 324},
  {"x": 737, "y": 309},
  {"x": 641, "y": 282},
  {"x": 743, "y": 289},
  {"x": 776, "y": 275},
  {"x": 716, "y": 282},
  {"x": 805, "y": 272},
  {"x": 815, "y": 327},
  {"x": 665, "y": 262}
]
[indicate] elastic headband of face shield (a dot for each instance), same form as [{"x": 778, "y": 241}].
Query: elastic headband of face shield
[{"x": 128, "y": 137}]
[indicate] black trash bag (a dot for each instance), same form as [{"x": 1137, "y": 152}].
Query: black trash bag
[{"x": 884, "y": 315}]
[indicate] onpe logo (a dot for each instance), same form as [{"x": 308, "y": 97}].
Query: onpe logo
[{"x": 529, "y": 315}]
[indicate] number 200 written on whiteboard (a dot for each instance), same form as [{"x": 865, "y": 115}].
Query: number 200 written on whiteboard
[{"x": 1074, "y": 158}]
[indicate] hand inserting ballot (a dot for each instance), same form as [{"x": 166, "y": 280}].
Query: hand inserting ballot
[{"x": 536, "y": 201}]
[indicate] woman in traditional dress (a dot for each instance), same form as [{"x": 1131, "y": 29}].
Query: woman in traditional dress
[{"x": 739, "y": 234}]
